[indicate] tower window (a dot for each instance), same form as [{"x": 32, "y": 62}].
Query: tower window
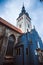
[
  {"x": 27, "y": 18},
  {"x": 27, "y": 30},
  {"x": 20, "y": 26},
  {"x": 28, "y": 25},
  {"x": 20, "y": 19}
]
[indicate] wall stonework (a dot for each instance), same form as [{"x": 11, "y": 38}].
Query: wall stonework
[{"x": 5, "y": 32}]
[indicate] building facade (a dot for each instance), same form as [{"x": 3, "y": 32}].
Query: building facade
[
  {"x": 24, "y": 21},
  {"x": 27, "y": 52},
  {"x": 8, "y": 38}
]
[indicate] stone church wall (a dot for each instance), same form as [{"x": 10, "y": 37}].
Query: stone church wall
[{"x": 5, "y": 32}]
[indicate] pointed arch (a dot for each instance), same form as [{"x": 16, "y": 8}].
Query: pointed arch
[{"x": 11, "y": 41}]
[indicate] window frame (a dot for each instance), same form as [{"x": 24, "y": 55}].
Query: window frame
[{"x": 27, "y": 51}]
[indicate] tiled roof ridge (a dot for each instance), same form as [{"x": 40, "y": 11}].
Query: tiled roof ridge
[{"x": 10, "y": 25}]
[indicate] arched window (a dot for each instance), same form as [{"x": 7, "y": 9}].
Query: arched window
[
  {"x": 30, "y": 41},
  {"x": 11, "y": 42},
  {"x": 38, "y": 45}
]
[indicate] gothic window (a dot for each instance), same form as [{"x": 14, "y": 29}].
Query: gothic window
[
  {"x": 11, "y": 41},
  {"x": 27, "y": 51},
  {"x": 30, "y": 41},
  {"x": 38, "y": 44},
  {"x": 35, "y": 52},
  {"x": 18, "y": 51}
]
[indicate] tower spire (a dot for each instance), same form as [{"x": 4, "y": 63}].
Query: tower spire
[
  {"x": 23, "y": 9},
  {"x": 23, "y": 3}
]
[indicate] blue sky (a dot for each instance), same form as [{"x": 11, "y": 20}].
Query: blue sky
[{"x": 10, "y": 10}]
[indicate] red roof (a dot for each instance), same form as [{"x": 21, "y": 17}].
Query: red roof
[{"x": 10, "y": 25}]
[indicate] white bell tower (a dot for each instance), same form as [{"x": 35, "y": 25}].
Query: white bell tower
[{"x": 24, "y": 21}]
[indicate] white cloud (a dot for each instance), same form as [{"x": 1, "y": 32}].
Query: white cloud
[
  {"x": 35, "y": 9},
  {"x": 37, "y": 20}
]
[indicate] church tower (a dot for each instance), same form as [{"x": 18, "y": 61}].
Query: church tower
[{"x": 24, "y": 21}]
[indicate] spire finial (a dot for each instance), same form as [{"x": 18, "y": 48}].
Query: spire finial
[{"x": 23, "y": 4}]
